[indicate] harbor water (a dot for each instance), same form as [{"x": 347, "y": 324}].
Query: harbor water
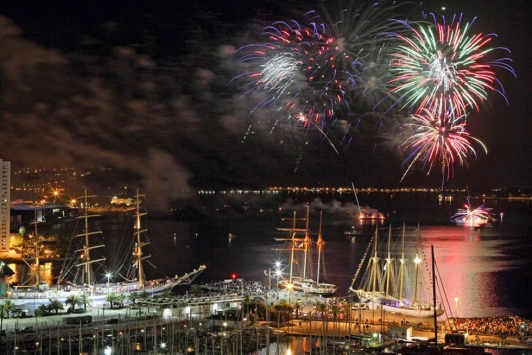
[{"x": 484, "y": 271}]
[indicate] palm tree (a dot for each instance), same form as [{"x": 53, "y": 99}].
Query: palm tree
[
  {"x": 133, "y": 296},
  {"x": 144, "y": 295},
  {"x": 297, "y": 307},
  {"x": 167, "y": 293},
  {"x": 335, "y": 310},
  {"x": 120, "y": 298},
  {"x": 8, "y": 307},
  {"x": 55, "y": 306},
  {"x": 285, "y": 308},
  {"x": 246, "y": 302},
  {"x": 112, "y": 298},
  {"x": 195, "y": 290},
  {"x": 85, "y": 300},
  {"x": 346, "y": 309},
  {"x": 72, "y": 301},
  {"x": 321, "y": 308},
  {"x": 43, "y": 310}
]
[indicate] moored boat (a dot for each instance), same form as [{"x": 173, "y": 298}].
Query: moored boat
[
  {"x": 309, "y": 286},
  {"x": 390, "y": 287},
  {"x": 353, "y": 232},
  {"x": 301, "y": 254},
  {"x": 84, "y": 282}
]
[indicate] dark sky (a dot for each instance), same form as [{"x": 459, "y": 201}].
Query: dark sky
[{"x": 145, "y": 87}]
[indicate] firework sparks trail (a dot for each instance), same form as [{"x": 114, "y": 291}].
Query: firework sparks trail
[
  {"x": 476, "y": 216},
  {"x": 445, "y": 61},
  {"x": 316, "y": 64},
  {"x": 438, "y": 139}
]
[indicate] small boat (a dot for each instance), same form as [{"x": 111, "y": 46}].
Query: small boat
[
  {"x": 301, "y": 254},
  {"x": 40, "y": 293},
  {"x": 353, "y": 232},
  {"x": 390, "y": 281}
]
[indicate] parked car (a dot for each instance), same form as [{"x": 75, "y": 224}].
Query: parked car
[
  {"x": 28, "y": 329},
  {"x": 23, "y": 313}
]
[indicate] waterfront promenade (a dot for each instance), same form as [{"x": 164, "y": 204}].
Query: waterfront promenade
[{"x": 366, "y": 323}]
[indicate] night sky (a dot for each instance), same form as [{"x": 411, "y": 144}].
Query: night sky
[{"x": 145, "y": 88}]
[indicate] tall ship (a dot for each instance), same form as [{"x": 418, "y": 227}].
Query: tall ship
[
  {"x": 79, "y": 278},
  {"x": 390, "y": 277},
  {"x": 299, "y": 244}
]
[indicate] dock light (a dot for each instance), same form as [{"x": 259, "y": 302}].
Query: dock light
[
  {"x": 108, "y": 276},
  {"x": 233, "y": 276}
]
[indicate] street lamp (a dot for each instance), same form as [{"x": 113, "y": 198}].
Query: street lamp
[
  {"x": 108, "y": 277},
  {"x": 108, "y": 289},
  {"x": 456, "y": 301}
]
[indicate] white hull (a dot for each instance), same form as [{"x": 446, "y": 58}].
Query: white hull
[
  {"x": 420, "y": 312},
  {"x": 308, "y": 286},
  {"x": 387, "y": 285},
  {"x": 406, "y": 308},
  {"x": 32, "y": 299}
]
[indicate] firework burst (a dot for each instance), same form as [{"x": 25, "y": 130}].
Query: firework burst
[
  {"x": 317, "y": 64},
  {"x": 473, "y": 216},
  {"x": 445, "y": 61},
  {"x": 438, "y": 140}
]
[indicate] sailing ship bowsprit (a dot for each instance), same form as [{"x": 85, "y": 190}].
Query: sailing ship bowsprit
[
  {"x": 392, "y": 278},
  {"x": 83, "y": 281}
]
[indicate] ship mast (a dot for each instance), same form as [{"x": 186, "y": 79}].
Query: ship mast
[
  {"x": 320, "y": 244},
  {"x": 139, "y": 244},
  {"x": 388, "y": 261},
  {"x": 37, "y": 255},
  {"x": 402, "y": 261},
  {"x": 86, "y": 260},
  {"x": 292, "y": 233},
  {"x": 292, "y": 247},
  {"x": 417, "y": 261},
  {"x": 306, "y": 242},
  {"x": 375, "y": 260}
]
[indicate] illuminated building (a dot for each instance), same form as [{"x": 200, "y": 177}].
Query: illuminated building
[{"x": 5, "y": 200}]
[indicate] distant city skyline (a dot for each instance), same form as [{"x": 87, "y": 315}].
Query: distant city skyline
[
  {"x": 62, "y": 185},
  {"x": 149, "y": 93}
]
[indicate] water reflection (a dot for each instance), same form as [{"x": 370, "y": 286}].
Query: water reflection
[{"x": 25, "y": 274}]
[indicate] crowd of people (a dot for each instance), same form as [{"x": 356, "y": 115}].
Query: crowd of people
[
  {"x": 507, "y": 325},
  {"x": 238, "y": 285}
]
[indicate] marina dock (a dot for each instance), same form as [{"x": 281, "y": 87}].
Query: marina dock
[{"x": 150, "y": 327}]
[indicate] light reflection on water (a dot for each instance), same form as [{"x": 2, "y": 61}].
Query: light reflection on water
[
  {"x": 25, "y": 275},
  {"x": 486, "y": 269}
]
